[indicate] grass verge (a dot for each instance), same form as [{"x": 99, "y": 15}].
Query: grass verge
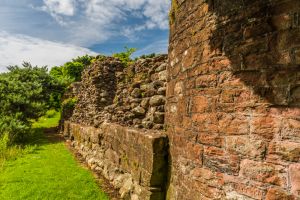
[{"x": 46, "y": 170}]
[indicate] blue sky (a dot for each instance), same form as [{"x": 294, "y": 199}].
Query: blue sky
[{"x": 51, "y": 32}]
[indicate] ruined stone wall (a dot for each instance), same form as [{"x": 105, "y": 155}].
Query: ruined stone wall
[
  {"x": 134, "y": 161},
  {"x": 233, "y": 99},
  {"x": 117, "y": 124},
  {"x": 133, "y": 96}
]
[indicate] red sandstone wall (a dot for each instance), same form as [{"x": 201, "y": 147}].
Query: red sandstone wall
[{"x": 233, "y": 99}]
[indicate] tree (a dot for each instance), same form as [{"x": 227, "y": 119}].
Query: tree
[
  {"x": 24, "y": 96},
  {"x": 65, "y": 75}
]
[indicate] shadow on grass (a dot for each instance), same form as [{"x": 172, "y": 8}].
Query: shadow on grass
[{"x": 42, "y": 136}]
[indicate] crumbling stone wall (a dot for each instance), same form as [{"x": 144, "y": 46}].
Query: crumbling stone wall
[
  {"x": 117, "y": 124},
  {"x": 233, "y": 99},
  {"x": 134, "y": 161},
  {"x": 132, "y": 96}
]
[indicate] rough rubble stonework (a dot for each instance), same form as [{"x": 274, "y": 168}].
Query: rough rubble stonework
[
  {"x": 233, "y": 100},
  {"x": 117, "y": 124},
  {"x": 131, "y": 96}
]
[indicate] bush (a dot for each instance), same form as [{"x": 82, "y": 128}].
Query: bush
[
  {"x": 50, "y": 113},
  {"x": 24, "y": 97},
  {"x": 152, "y": 55},
  {"x": 71, "y": 71},
  {"x": 69, "y": 103},
  {"x": 66, "y": 74},
  {"x": 125, "y": 57},
  {"x": 4, "y": 142},
  {"x": 67, "y": 107}
]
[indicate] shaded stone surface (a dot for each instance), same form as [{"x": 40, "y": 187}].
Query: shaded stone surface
[{"x": 233, "y": 90}]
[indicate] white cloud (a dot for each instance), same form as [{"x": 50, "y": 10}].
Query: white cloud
[
  {"x": 61, "y": 7},
  {"x": 15, "y": 49},
  {"x": 156, "y": 11},
  {"x": 157, "y": 47},
  {"x": 99, "y": 20}
]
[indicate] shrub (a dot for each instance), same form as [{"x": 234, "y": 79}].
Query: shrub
[
  {"x": 125, "y": 57},
  {"x": 152, "y": 55},
  {"x": 4, "y": 142},
  {"x": 173, "y": 11},
  {"x": 69, "y": 103},
  {"x": 24, "y": 97},
  {"x": 68, "y": 106},
  {"x": 50, "y": 113},
  {"x": 71, "y": 71},
  {"x": 66, "y": 74}
]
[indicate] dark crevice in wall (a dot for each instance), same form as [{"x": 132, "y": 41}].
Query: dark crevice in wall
[{"x": 161, "y": 169}]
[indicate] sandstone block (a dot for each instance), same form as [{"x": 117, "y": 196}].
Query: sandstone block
[
  {"x": 212, "y": 139},
  {"x": 163, "y": 76},
  {"x": 265, "y": 126},
  {"x": 246, "y": 146},
  {"x": 158, "y": 117},
  {"x": 145, "y": 103},
  {"x": 162, "y": 67},
  {"x": 200, "y": 104},
  {"x": 251, "y": 191},
  {"x": 284, "y": 150},
  {"x": 206, "y": 81},
  {"x": 220, "y": 160},
  {"x": 294, "y": 174},
  {"x": 263, "y": 172},
  {"x": 233, "y": 124},
  {"x": 278, "y": 194},
  {"x": 136, "y": 93}
]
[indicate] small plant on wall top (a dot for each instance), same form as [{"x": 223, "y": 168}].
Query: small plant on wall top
[
  {"x": 173, "y": 11},
  {"x": 125, "y": 57}
]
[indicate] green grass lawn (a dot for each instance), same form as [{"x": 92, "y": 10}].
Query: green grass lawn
[{"x": 49, "y": 171}]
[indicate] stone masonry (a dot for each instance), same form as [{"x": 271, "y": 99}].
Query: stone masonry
[
  {"x": 117, "y": 124},
  {"x": 133, "y": 96},
  {"x": 135, "y": 163},
  {"x": 220, "y": 121},
  {"x": 233, "y": 100}
]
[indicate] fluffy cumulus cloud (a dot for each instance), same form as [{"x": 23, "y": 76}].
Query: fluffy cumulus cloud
[
  {"x": 108, "y": 17},
  {"x": 15, "y": 49},
  {"x": 105, "y": 26},
  {"x": 63, "y": 7}
]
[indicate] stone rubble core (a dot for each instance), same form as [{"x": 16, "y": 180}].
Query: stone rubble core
[
  {"x": 132, "y": 96},
  {"x": 135, "y": 162}
]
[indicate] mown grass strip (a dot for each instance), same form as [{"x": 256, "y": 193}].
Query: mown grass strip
[{"x": 47, "y": 172}]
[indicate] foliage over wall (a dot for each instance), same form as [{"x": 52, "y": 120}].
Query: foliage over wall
[
  {"x": 125, "y": 56},
  {"x": 27, "y": 92},
  {"x": 66, "y": 74}
]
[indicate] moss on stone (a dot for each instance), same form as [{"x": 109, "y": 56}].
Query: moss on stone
[{"x": 173, "y": 11}]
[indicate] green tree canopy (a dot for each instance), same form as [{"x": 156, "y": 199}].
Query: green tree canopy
[{"x": 24, "y": 96}]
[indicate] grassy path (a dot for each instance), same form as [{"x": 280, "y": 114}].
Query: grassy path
[{"x": 49, "y": 172}]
